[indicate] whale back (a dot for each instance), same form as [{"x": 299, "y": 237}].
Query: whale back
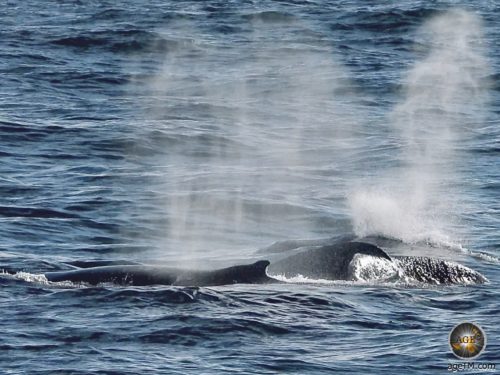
[
  {"x": 141, "y": 275},
  {"x": 116, "y": 274},
  {"x": 326, "y": 262},
  {"x": 241, "y": 274}
]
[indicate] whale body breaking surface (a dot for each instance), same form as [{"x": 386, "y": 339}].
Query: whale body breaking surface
[
  {"x": 343, "y": 261},
  {"x": 141, "y": 275}
]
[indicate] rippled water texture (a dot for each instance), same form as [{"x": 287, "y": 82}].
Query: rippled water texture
[{"x": 194, "y": 134}]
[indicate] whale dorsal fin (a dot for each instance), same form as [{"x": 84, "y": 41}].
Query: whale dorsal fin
[
  {"x": 259, "y": 268},
  {"x": 261, "y": 264},
  {"x": 369, "y": 249}
]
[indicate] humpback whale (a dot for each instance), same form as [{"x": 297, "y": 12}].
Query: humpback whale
[
  {"x": 342, "y": 260},
  {"x": 140, "y": 275}
]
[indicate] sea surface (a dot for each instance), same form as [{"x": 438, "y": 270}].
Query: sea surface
[{"x": 197, "y": 134}]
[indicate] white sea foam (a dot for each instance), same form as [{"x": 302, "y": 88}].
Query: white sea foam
[
  {"x": 482, "y": 256},
  {"x": 40, "y": 278},
  {"x": 371, "y": 269},
  {"x": 31, "y": 277},
  {"x": 301, "y": 279}
]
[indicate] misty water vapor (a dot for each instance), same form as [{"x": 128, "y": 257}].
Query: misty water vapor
[
  {"x": 254, "y": 113},
  {"x": 441, "y": 96},
  {"x": 260, "y": 132}
]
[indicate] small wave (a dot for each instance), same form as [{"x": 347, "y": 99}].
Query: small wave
[
  {"x": 197, "y": 329},
  {"x": 82, "y": 80},
  {"x": 481, "y": 256},
  {"x": 384, "y": 21},
  {"x": 270, "y": 16},
  {"x": 15, "y": 211},
  {"x": 110, "y": 14},
  {"x": 80, "y": 41},
  {"x": 162, "y": 294},
  {"x": 121, "y": 41}
]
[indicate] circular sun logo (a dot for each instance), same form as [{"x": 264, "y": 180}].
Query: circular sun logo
[{"x": 467, "y": 340}]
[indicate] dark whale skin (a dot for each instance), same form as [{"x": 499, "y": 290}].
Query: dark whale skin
[
  {"x": 329, "y": 262},
  {"x": 141, "y": 275}
]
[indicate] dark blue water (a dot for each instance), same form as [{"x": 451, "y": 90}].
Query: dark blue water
[{"x": 196, "y": 133}]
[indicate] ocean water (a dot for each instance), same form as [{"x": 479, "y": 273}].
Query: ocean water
[{"x": 198, "y": 134}]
